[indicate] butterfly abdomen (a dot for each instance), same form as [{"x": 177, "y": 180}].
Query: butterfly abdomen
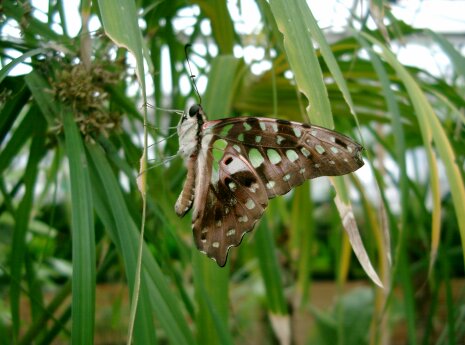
[{"x": 185, "y": 199}]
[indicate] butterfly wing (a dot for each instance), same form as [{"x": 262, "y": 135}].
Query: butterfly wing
[
  {"x": 232, "y": 205},
  {"x": 285, "y": 154},
  {"x": 243, "y": 162}
]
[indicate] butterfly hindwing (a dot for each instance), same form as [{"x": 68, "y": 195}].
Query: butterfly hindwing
[{"x": 235, "y": 201}]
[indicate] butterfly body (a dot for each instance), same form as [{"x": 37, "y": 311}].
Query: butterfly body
[{"x": 235, "y": 165}]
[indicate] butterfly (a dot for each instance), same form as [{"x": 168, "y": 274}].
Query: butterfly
[{"x": 235, "y": 165}]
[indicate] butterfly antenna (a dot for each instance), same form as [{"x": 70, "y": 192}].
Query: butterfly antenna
[{"x": 191, "y": 75}]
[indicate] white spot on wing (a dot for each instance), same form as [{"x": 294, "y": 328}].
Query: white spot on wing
[
  {"x": 216, "y": 244},
  {"x": 231, "y": 232},
  {"x": 243, "y": 219},
  {"x": 270, "y": 184},
  {"x": 250, "y": 204},
  {"x": 232, "y": 186},
  {"x": 320, "y": 149},
  {"x": 305, "y": 152},
  {"x": 253, "y": 187}
]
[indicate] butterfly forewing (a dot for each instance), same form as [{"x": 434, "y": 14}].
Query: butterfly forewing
[
  {"x": 285, "y": 154},
  {"x": 242, "y": 162}
]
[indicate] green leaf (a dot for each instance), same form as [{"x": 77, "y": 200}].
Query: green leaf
[
  {"x": 222, "y": 25},
  {"x": 293, "y": 20},
  {"x": 155, "y": 292},
  {"x": 83, "y": 236},
  {"x": 23, "y": 216},
  {"x": 127, "y": 34},
  {"x": 432, "y": 131},
  {"x": 18, "y": 139},
  {"x": 457, "y": 59},
  {"x": 15, "y": 62}
]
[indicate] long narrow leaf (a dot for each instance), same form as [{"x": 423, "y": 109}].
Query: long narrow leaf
[
  {"x": 292, "y": 19},
  {"x": 83, "y": 236},
  {"x": 19, "y": 248},
  {"x": 123, "y": 231},
  {"x": 431, "y": 129}
]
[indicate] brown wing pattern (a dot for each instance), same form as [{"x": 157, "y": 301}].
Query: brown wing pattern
[
  {"x": 260, "y": 159},
  {"x": 285, "y": 154},
  {"x": 233, "y": 205}
]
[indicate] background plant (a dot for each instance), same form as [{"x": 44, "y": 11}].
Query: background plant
[{"x": 71, "y": 135}]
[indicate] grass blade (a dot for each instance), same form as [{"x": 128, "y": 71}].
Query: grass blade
[
  {"x": 292, "y": 19},
  {"x": 431, "y": 130},
  {"x": 127, "y": 35},
  {"x": 456, "y": 58},
  {"x": 22, "y": 217},
  {"x": 83, "y": 236},
  {"x": 155, "y": 289}
]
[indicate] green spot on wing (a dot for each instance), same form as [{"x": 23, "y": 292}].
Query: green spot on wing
[
  {"x": 297, "y": 131},
  {"x": 292, "y": 155},
  {"x": 255, "y": 158},
  {"x": 225, "y": 130},
  {"x": 220, "y": 144},
  {"x": 218, "y": 149},
  {"x": 240, "y": 137},
  {"x": 273, "y": 156}
]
